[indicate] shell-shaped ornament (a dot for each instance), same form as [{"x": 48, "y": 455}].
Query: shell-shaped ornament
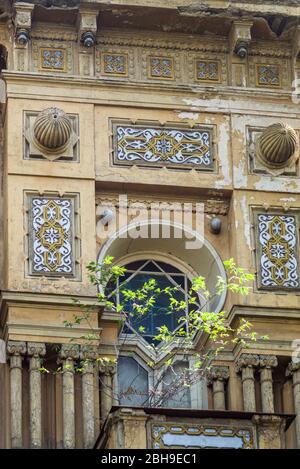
[
  {"x": 52, "y": 130},
  {"x": 277, "y": 145}
]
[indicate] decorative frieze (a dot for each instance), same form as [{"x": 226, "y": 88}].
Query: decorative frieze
[
  {"x": 175, "y": 58},
  {"x": 53, "y": 59},
  {"x": 53, "y": 243},
  {"x": 269, "y": 72},
  {"x": 162, "y": 146},
  {"x": 55, "y": 56},
  {"x": 211, "y": 206},
  {"x": 174, "y": 435},
  {"x": 268, "y": 75},
  {"x": 207, "y": 68},
  {"x": 115, "y": 64},
  {"x": 277, "y": 250},
  {"x": 161, "y": 67},
  {"x": 208, "y": 71}
]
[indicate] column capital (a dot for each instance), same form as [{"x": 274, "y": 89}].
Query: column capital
[
  {"x": 36, "y": 349},
  {"x": 16, "y": 348},
  {"x": 292, "y": 368},
  {"x": 268, "y": 361},
  {"x": 217, "y": 373},
  {"x": 247, "y": 360},
  {"x": 69, "y": 352},
  {"x": 89, "y": 352},
  {"x": 107, "y": 368}
]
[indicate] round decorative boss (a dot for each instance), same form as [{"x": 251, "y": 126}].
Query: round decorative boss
[
  {"x": 277, "y": 145},
  {"x": 52, "y": 129}
]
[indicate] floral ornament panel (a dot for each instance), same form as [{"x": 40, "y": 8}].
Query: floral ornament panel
[
  {"x": 115, "y": 64},
  {"x": 208, "y": 71},
  {"x": 278, "y": 246},
  {"x": 268, "y": 75},
  {"x": 172, "y": 436},
  {"x": 161, "y": 67},
  {"x": 52, "y": 238},
  {"x": 163, "y": 146},
  {"x": 53, "y": 59}
]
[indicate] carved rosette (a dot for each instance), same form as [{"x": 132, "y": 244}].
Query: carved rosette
[
  {"x": 277, "y": 146},
  {"x": 52, "y": 130}
]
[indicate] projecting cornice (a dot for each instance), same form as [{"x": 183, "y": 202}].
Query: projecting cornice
[
  {"x": 61, "y": 4},
  {"x": 235, "y": 8}
]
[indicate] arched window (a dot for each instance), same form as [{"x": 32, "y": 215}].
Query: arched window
[
  {"x": 135, "y": 378},
  {"x": 165, "y": 276},
  {"x": 169, "y": 262}
]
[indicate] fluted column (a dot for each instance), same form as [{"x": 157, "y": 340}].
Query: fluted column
[
  {"x": 266, "y": 364},
  {"x": 246, "y": 365},
  {"x": 88, "y": 355},
  {"x": 16, "y": 351},
  {"x": 68, "y": 354},
  {"x": 107, "y": 372},
  {"x": 294, "y": 371},
  {"x": 217, "y": 377},
  {"x": 35, "y": 351}
]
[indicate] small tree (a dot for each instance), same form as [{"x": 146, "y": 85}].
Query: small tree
[{"x": 193, "y": 319}]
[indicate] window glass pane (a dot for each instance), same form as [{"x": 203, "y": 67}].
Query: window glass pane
[
  {"x": 159, "y": 314},
  {"x": 175, "y": 394},
  {"x": 132, "y": 382},
  {"x": 165, "y": 275},
  {"x": 168, "y": 268},
  {"x": 136, "y": 265}
]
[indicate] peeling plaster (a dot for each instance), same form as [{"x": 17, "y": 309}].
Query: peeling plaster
[
  {"x": 211, "y": 100},
  {"x": 288, "y": 199},
  {"x": 277, "y": 185},
  {"x": 188, "y": 115},
  {"x": 240, "y": 176},
  {"x": 223, "y": 156},
  {"x": 245, "y": 213}
]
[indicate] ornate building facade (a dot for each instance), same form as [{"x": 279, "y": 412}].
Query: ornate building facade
[{"x": 111, "y": 108}]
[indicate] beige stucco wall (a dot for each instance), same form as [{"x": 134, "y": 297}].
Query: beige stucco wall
[{"x": 34, "y": 309}]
